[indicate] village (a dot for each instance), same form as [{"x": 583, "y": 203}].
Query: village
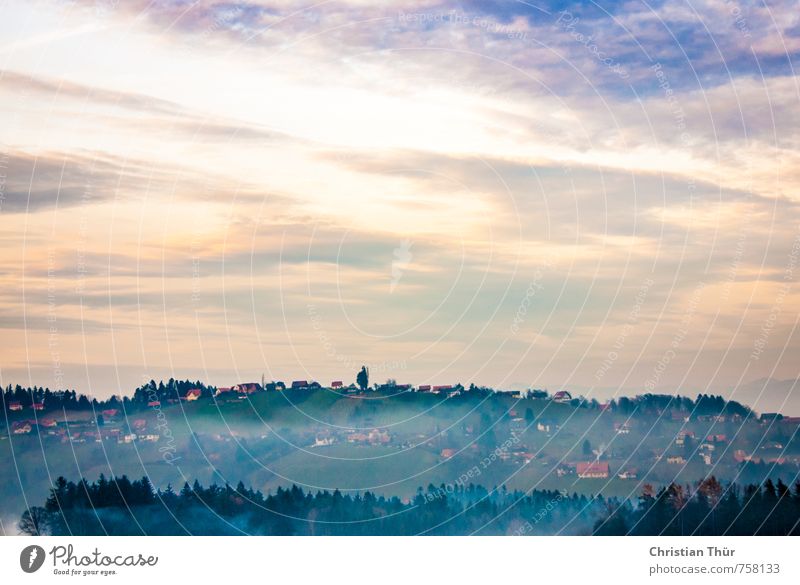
[{"x": 565, "y": 438}]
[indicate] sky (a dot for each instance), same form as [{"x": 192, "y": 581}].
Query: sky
[{"x": 601, "y": 196}]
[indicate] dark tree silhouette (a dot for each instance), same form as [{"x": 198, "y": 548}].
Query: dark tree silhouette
[{"x": 362, "y": 378}]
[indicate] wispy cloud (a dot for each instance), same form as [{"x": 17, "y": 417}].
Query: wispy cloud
[{"x": 186, "y": 179}]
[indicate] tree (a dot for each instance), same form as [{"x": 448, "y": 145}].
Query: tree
[
  {"x": 33, "y": 521},
  {"x": 688, "y": 447},
  {"x": 362, "y": 378},
  {"x": 587, "y": 447}
]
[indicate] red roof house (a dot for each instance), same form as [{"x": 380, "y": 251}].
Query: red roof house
[
  {"x": 562, "y": 396},
  {"x": 193, "y": 394},
  {"x": 592, "y": 469}
]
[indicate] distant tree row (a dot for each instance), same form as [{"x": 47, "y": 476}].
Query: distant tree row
[
  {"x": 121, "y": 507},
  {"x": 708, "y": 510},
  {"x": 71, "y": 400},
  {"x": 703, "y": 405}
]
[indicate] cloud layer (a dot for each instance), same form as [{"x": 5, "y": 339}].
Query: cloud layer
[{"x": 472, "y": 192}]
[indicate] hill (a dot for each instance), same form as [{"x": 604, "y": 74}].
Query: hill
[{"x": 392, "y": 442}]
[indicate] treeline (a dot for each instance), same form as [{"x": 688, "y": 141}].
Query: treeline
[
  {"x": 123, "y": 507},
  {"x": 644, "y": 405},
  {"x": 709, "y": 509},
  {"x": 71, "y": 400},
  {"x": 703, "y": 405}
]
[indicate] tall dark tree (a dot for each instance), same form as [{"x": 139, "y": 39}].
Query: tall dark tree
[{"x": 362, "y": 378}]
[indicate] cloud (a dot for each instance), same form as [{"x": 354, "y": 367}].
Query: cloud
[
  {"x": 34, "y": 183},
  {"x": 201, "y": 179}
]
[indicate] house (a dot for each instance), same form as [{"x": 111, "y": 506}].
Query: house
[
  {"x": 790, "y": 420},
  {"x": 314, "y": 386},
  {"x": 247, "y": 388},
  {"x": 129, "y": 438},
  {"x": 707, "y": 447},
  {"x": 622, "y": 428},
  {"x": 630, "y": 473},
  {"x": 48, "y": 423},
  {"x": 336, "y": 384},
  {"x": 149, "y": 437},
  {"x": 154, "y": 403},
  {"x": 424, "y": 388},
  {"x": 706, "y": 458},
  {"x": 14, "y": 406},
  {"x": 442, "y": 388},
  {"x": 375, "y": 436},
  {"x": 739, "y": 456},
  {"x": 21, "y": 427},
  {"x": 592, "y": 469},
  {"x": 772, "y": 445},
  {"x": 223, "y": 390},
  {"x": 770, "y": 416},
  {"x": 717, "y": 438},
  {"x": 299, "y": 384},
  {"x": 38, "y": 406},
  {"x": 357, "y": 437},
  {"x": 447, "y": 453},
  {"x": 110, "y": 412},
  {"x": 562, "y": 396},
  {"x": 139, "y": 424},
  {"x": 324, "y": 440},
  {"x": 775, "y": 460},
  {"x": 545, "y": 425},
  {"x": 193, "y": 394},
  {"x": 605, "y": 406},
  {"x": 676, "y": 460},
  {"x": 563, "y": 470}
]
